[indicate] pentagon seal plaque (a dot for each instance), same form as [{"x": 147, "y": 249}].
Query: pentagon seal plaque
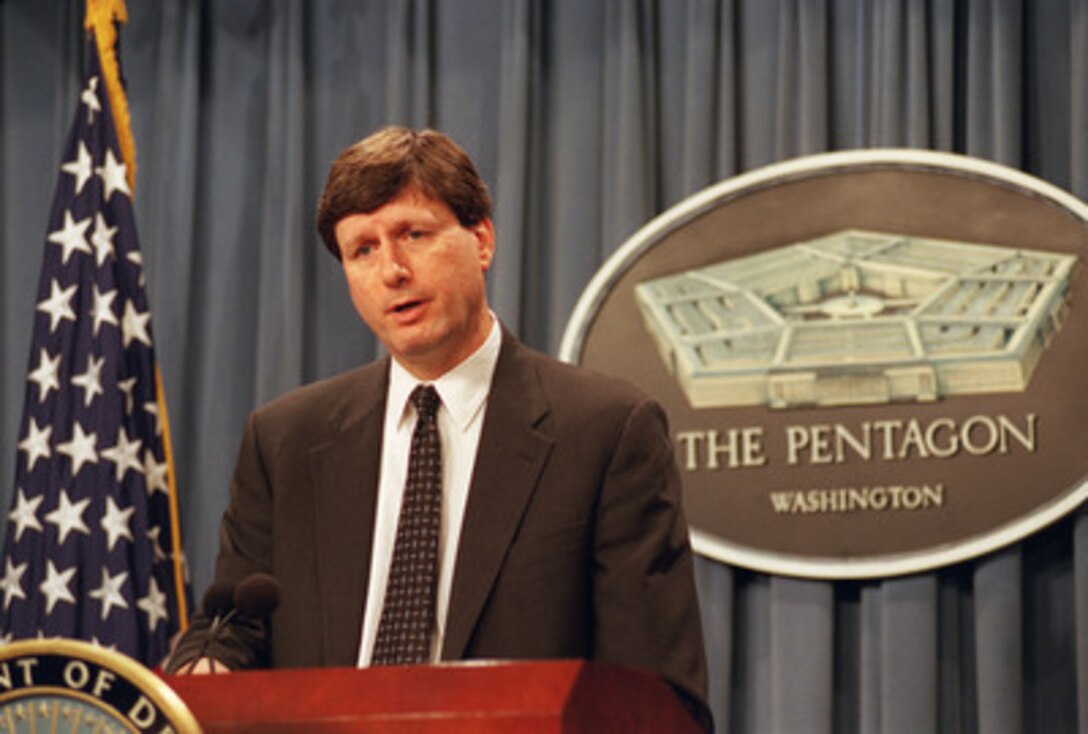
[{"x": 872, "y": 361}]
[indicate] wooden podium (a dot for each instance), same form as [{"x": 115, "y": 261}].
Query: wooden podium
[{"x": 501, "y": 697}]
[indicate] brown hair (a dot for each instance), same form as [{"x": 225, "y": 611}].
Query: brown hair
[{"x": 373, "y": 171}]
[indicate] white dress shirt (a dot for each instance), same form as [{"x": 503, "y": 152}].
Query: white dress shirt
[{"x": 463, "y": 391}]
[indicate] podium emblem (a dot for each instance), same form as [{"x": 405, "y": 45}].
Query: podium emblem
[{"x": 73, "y": 686}]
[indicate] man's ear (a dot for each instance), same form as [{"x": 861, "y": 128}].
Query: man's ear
[{"x": 484, "y": 231}]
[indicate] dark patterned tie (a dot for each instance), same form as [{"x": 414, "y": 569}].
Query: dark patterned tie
[{"x": 408, "y": 613}]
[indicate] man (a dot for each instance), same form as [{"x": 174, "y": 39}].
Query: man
[{"x": 560, "y": 533}]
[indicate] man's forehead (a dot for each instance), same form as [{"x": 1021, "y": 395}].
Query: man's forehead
[
  {"x": 397, "y": 214},
  {"x": 412, "y": 195},
  {"x": 408, "y": 205}
]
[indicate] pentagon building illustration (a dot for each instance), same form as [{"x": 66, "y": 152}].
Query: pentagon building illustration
[{"x": 858, "y": 317}]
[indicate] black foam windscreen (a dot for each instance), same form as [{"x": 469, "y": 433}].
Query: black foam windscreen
[
  {"x": 257, "y": 595},
  {"x": 219, "y": 598}
]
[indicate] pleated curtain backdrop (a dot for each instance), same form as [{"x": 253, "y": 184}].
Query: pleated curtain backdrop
[{"x": 587, "y": 117}]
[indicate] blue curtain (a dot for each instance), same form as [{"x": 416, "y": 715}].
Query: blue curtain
[{"x": 587, "y": 117}]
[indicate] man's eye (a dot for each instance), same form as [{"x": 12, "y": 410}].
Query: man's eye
[
  {"x": 361, "y": 251},
  {"x": 416, "y": 234}
]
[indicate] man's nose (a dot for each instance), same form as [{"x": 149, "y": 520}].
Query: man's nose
[{"x": 395, "y": 270}]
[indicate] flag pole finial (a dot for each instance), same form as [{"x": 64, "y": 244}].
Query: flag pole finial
[{"x": 101, "y": 18}]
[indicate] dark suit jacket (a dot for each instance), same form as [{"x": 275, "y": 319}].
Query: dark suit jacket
[{"x": 574, "y": 544}]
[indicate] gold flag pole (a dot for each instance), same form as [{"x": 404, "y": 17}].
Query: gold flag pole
[{"x": 102, "y": 18}]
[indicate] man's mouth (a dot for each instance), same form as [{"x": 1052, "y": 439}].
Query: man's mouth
[{"x": 405, "y": 306}]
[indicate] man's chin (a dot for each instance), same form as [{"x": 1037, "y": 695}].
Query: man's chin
[{"x": 417, "y": 354}]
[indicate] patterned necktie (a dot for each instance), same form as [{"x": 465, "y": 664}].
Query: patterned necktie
[{"x": 408, "y": 613}]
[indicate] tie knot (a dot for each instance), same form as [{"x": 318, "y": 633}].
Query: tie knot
[{"x": 426, "y": 401}]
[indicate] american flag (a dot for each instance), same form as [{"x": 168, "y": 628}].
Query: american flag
[{"x": 92, "y": 546}]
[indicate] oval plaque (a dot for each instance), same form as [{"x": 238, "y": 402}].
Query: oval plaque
[{"x": 873, "y": 361}]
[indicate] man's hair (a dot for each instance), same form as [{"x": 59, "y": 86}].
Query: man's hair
[{"x": 369, "y": 174}]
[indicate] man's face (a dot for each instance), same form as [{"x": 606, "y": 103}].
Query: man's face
[{"x": 417, "y": 278}]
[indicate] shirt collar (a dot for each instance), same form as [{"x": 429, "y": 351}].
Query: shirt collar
[{"x": 463, "y": 389}]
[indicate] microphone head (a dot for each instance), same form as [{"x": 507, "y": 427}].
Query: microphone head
[
  {"x": 219, "y": 598},
  {"x": 257, "y": 595}
]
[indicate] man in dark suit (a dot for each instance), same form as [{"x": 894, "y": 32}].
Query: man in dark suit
[{"x": 561, "y": 531}]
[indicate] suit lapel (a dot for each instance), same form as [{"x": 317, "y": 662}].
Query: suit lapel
[
  {"x": 511, "y": 455},
  {"x": 345, "y": 469}
]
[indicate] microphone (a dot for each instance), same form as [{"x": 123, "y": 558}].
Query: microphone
[
  {"x": 257, "y": 596},
  {"x": 218, "y": 603},
  {"x": 243, "y": 607},
  {"x": 219, "y": 598}
]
